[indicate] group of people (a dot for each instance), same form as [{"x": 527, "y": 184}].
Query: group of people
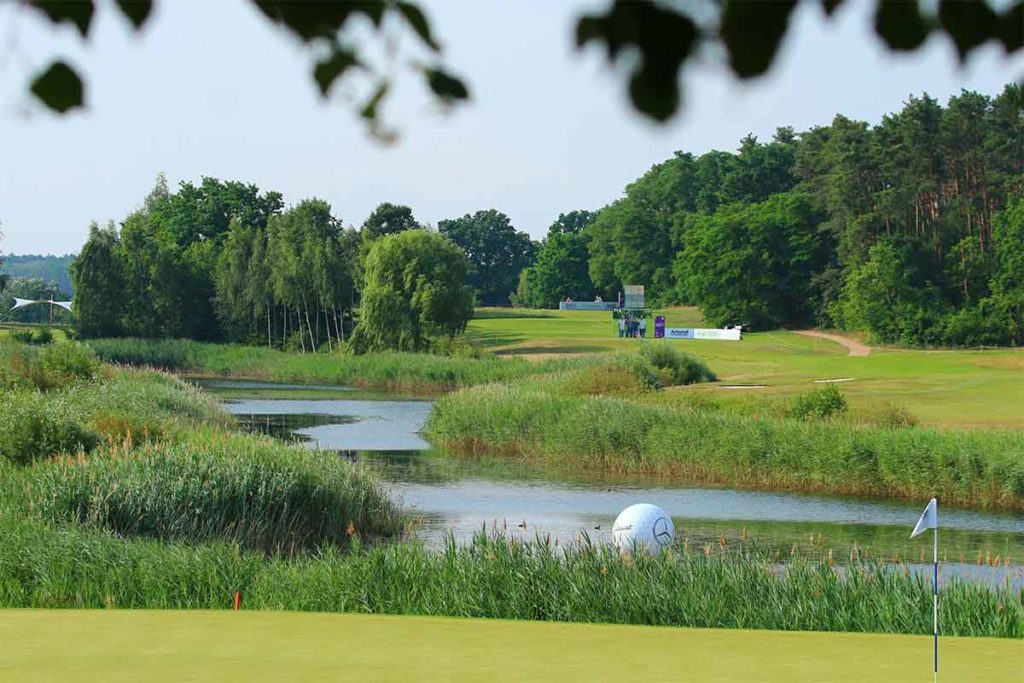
[{"x": 632, "y": 327}]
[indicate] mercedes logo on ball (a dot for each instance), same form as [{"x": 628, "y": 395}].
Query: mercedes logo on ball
[{"x": 663, "y": 531}]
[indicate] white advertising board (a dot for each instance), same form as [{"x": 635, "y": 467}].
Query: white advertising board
[{"x": 699, "y": 333}]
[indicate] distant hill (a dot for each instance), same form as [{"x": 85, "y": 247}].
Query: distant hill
[{"x": 47, "y": 268}]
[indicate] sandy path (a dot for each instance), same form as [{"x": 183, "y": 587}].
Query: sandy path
[{"x": 854, "y": 347}]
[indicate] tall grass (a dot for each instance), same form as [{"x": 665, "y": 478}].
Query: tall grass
[
  {"x": 140, "y": 406},
  {"x": 495, "y": 577},
  {"x": 970, "y": 468},
  {"x": 412, "y": 371},
  {"x": 253, "y": 492}
]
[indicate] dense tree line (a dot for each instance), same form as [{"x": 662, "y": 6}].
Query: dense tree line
[
  {"x": 223, "y": 261},
  {"x": 910, "y": 229}
]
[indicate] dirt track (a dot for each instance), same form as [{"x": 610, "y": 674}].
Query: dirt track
[{"x": 854, "y": 347}]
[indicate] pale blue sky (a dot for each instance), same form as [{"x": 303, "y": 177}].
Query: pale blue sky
[{"x": 548, "y": 130}]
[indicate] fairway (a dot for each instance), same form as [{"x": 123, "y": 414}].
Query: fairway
[
  {"x": 175, "y": 646},
  {"x": 962, "y": 388}
]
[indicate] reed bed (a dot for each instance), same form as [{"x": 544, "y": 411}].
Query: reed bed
[
  {"x": 249, "y": 491},
  {"x": 969, "y": 468},
  {"x": 496, "y": 577}
]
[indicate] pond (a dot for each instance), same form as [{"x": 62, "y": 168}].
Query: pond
[{"x": 449, "y": 494}]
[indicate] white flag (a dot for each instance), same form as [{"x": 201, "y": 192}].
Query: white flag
[
  {"x": 62, "y": 304},
  {"x": 929, "y": 519}
]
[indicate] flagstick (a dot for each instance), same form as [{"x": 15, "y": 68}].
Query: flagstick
[{"x": 935, "y": 600}]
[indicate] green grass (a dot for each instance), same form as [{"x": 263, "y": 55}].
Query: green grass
[
  {"x": 140, "y": 453},
  {"x": 970, "y": 468},
  {"x": 176, "y": 646},
  {"x": 403, "y": 371},
  {"x": 941, "y": 388}
]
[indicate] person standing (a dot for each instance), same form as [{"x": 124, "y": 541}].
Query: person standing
[
  {"x": 622, "y": 327},
  {"x": 643, "y": 327}
]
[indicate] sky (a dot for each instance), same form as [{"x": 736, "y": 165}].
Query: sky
[{"x": 214, "y": 89}]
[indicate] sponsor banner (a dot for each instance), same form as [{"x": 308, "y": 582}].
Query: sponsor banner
[
  {"x": 586, "y": 305},
  {"x": 699, "y": 333}
]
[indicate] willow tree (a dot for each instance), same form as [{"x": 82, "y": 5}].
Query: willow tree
[{"x": 415, "y": 292}]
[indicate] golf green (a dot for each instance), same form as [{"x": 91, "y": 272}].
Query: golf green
[{"x": 153, "y": 646}]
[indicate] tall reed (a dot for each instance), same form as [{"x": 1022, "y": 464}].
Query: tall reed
[
  {"x": 250, "y": 491},
  {"x": 495, "y": 577},
  {"x": 970, "y": 468}
]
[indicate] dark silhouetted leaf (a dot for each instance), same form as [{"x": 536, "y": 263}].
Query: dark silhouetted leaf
[
  {"x": 830, "y": 6},
  {"x": 414, "y": 15},
  {"x": 900, "y": 24},
  {"x": 968, "y": 22},
  {"x": 664, "y": 38},
  {"x": 309, "y": 20},
  {"x": 369, "y": 110},
  {"x": 136, "y": 11},
  {"x": 1011, "y": 27},
  {"x": 78, "y": 12},
  {"x": 329, "y": 69},
  {"x": 752, "y": 32},
  {"x": 59, "y": 88},
  {"x": 448, "y": 88}
]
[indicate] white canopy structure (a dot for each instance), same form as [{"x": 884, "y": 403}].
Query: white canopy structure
[{"x": 21, "y": 303}]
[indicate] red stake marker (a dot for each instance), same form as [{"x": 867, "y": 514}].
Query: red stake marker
[{"x": 238, "y": 600}]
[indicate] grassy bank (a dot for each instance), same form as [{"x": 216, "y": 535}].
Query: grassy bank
[
  {"x": 405, "y": 371},
  {"x": 141, "y": 454},
  {"x": 942, "y": 388},
  {"x": 969, "y": 468}
]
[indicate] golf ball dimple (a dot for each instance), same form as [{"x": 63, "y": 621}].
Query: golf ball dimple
[{"x": 643, "y": 526}]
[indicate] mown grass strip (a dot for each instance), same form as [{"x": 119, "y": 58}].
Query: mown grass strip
[{"x": 175, "y": 646}]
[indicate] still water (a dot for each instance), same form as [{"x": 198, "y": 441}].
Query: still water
[{"x": 448, "y": 494}]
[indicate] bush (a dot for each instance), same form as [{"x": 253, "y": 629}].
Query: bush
[
  {"x": 42, "y": 336},
  {"x": 820, "y": 403},
  {"x": 674, "y": 366},
  {"x": 22, "y": 336},
  {"x": 35, "y": 426},
  {"x": 67, "y": 362}
]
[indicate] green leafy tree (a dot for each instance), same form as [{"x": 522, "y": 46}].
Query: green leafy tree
[
  {"x": 415, "y": 292},
  {"x": 561, "y": 268},
  {"x": 1008, "y": 282},
  {"x": 389, "y": 219},
  {"x": 100, "y": 291},
  {"x": 496, "y": 251},
  {"x": 755, "y": 263}
]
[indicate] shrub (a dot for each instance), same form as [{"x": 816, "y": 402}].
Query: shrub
[
  {"x": 22, "y": 336},
  {"x": 674, "y": 366},
  {"x": 35, "y": 426},
  {"x": 42, "y": 336},
  {"x": 67, "y": 362},
  {"x": 820, "y": 403}
]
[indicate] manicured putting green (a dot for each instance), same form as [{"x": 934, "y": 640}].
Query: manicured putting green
[{"x": 152, "y": 646}]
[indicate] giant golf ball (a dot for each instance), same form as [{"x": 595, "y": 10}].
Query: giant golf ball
[{"x": 645, "y": 527}]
